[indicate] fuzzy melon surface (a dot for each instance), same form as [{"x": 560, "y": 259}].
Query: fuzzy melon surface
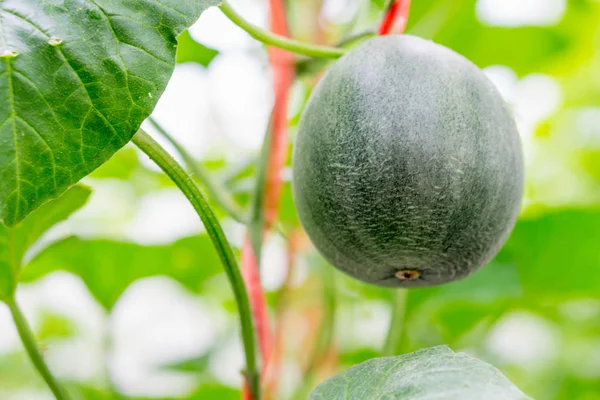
[{"x": 407, "y": 159}]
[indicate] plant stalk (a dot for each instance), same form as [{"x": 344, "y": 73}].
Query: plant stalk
[
  {"x": 396, "y": 16},
  {"x": 258, "y": 301},
  {"x": 183, "y": 181},
  {"x": 35, "y": 356},
  {"x": 271, "y": 39},
  {"x": 269, "y": 183},
  {"x": 394, "y": 337}
]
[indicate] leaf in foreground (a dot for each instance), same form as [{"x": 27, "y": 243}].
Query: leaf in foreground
[
  {"x": 434, "y": 373},
  {"x": 77, "y": 78}
]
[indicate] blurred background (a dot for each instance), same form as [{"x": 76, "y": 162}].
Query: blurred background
[{"x": 128, "y": 298}]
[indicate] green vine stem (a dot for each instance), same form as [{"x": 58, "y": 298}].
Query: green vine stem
[
  {"x": 214, "y": 189},
  {"x": 394, "y": 336},
  {"x": 32, "y": 350},
  {"x": 269, "y": 38},
  {"x": 183, "y": 181},
  {"x": 312, "y": 66}
]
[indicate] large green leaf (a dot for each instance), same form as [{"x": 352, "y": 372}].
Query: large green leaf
[
  {"x": 558, "y": 254},
  {"x": 109, "y": 267},
  {"x": 434, "y": 373},
  {"x": 77, "y": 78},
  {"x": 15, "y": 241},
  {"x": 443, "y": 314},
  {"x": 455, "y": 24}
]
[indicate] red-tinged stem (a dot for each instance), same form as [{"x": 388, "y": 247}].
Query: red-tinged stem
[
  {"x": 278, "y": 18},
  {"x": 258, "y": 303},
  {"x": 395, "y": 18},
  {"x": 279, "y": 151},
  {"x": 282, "y": 63},
  {"x": 246, "y": 393}
]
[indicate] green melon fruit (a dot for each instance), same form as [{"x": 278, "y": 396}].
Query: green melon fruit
[{"x": 408, "y": 168}]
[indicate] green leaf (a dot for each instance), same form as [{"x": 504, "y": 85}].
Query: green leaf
[
  {"x": 450, "y": 314},
  {"x": 15, "y": 241},
  {"x": 205, "y": 391},
  {"x": 188, "y": 50},
  {"x": 215, "y": 391},
  {"x": 382, "y": 4},
  {"x": 357, "y": 356},
  {"x": 495, "y": 282},
  {"x": 557, "y": 254},
  {"x": 121, "y": 166},
  {"x": 546, "y": 49},
  {"x": 16, "y": 372},
  {"x": 53, "y": 326},
  {"x": 77, "y": 78},
  {"x": 197, "y": 365},
  {"x": 431, "y": 373},
  {"x": 109, "y": 267},
  {"x": 287, "y": 209}
]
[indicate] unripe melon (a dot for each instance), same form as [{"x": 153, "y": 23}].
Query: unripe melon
[{"x": 407, "y": 167}]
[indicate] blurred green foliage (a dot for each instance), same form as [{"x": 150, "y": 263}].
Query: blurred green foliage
[
  {"x": 109, "y": 267},
  {"x": 548, "y": 274},
  {"x": 188, "y": 50},
  {"x": 15, "y": 241}
]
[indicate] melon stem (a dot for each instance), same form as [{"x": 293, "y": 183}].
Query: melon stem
[
  {"x": 28, "y": 339},
  {"x": 394, "y": 337},
  {"x": 282, "y": 42}
]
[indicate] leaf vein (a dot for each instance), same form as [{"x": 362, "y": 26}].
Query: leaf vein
[{"x": 13, "y": 114}]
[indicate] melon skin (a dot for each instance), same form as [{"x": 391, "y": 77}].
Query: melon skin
[{"x": 407, "y": 159}]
